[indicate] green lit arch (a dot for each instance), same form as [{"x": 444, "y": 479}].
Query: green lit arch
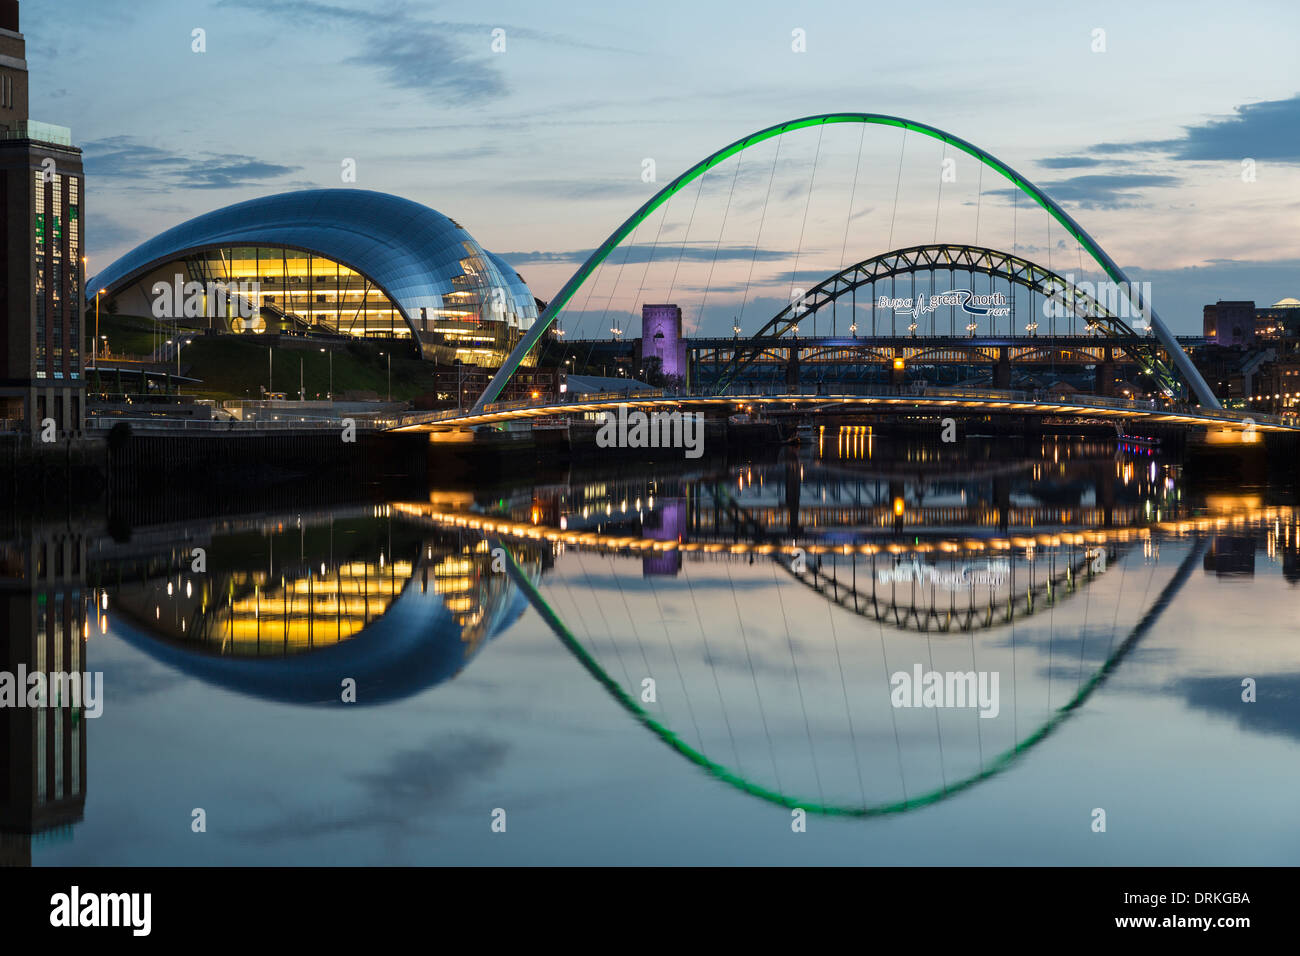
[
  {"x": 997, "y": 765},
  {"x": 1184, "y": 364}
]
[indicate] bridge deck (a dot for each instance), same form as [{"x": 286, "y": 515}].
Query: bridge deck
[{"x": 930, "y": 400}]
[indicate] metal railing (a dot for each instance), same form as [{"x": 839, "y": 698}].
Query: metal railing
[
  {"x": 1040, "y": 397},
  {"x": 174, "y": 424}
]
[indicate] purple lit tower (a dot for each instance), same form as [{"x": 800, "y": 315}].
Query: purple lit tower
[
  {"x": 665, "y": 523},
  {"x": 661, "y": 337}
]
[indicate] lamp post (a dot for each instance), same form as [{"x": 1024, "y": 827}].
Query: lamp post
[
  {"x": 330, "y": 394},
  {"x": 96, "y": 348}
]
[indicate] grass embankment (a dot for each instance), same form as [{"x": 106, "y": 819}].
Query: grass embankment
[{"x": 237, "y": 366}]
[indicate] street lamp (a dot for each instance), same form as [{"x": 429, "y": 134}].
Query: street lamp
[
  {"x": 331, "y": 391},
  {"x": 96, "y": 349}
]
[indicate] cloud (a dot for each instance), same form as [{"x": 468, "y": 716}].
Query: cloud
[
  {"x": 151, "y": 168},
  {"x": 1100, "y": 190},
  {"x": 406, "y": 51},
  {"x": 1267, "y": 130},
  {"x": 449, "y": 62},
  {"x": 1276, "y": 711},
  {"x": 641, "y": 253},
  {"x": 1073, "y": 162},
  {"x": 397, "y": 796}
]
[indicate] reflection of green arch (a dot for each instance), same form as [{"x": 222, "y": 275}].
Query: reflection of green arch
[
  {"x": 999, "y": 763},
  {"x": 1189, "y": 372}
]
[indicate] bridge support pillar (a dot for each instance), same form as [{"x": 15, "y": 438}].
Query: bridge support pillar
[
  {"x": 1002, "y": 501},
  {"x": 1002, "y": 369},
  {"x": 897, "y": 374},
  {"x": 1105, "y": 382},
  {"x": 793, "y": 486},
  {"x": 792, "y": 368}
]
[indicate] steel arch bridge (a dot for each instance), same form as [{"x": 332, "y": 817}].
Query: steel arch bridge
[
  {"x": 1098, "y": 317},
  {"x": 1186, "y": 369}
]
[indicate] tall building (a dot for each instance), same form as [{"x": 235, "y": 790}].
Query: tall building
[
  {"x": 1230, "y": 323},
  {"x": 41, "y": 249},
  {"x": 661, "y": 338}
]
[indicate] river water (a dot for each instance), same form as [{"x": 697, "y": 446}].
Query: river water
[{"x": 863, "y": 651}]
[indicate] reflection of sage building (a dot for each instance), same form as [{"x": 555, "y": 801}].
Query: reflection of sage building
[{"x": 42, "y": 750}]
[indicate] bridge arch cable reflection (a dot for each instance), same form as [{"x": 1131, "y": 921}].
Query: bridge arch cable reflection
[
  {"x": 1116, "y": 653},
  {"x": 1074, "y": 576}
]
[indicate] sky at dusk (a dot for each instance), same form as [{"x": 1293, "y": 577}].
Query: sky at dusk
[{"x": 540, "y": 150}]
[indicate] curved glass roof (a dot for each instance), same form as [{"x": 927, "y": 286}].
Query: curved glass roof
[
  {"x": 413, "y": 253},
  {"x": 525, "y": 305}
]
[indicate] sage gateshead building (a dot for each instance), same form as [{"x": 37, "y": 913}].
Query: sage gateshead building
[{"x": 339, "y": 262}]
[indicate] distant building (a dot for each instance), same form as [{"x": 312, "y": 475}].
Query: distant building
[
  {"x": 1243, "y": 323},
  {"x": 1275, "y": 387},
  {"x": 1230, "y": 323},
  {"x": 41, "y": 266},
  {"x": 459, "y": 386},
  {"x": 1280, "y": 322},
  {"x": 661, "y": 338},
  {"x": 604, "y": 385}
]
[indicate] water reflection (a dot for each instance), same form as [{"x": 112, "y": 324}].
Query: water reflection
[
  {"x": 752, "y": 617},
  {"x": 289, "y": 607}
]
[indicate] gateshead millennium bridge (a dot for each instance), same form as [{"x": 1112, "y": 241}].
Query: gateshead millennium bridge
[{"x": 1096, "y": 333}]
